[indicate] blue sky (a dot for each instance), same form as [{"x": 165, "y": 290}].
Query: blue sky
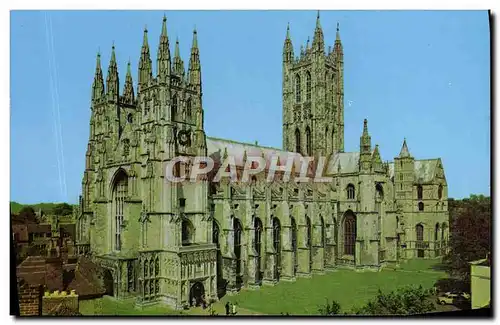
[{"x": 423, "y": 75}]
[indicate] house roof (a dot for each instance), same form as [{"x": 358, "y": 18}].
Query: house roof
[
  {"x": 37, "y": 228},
  {"x": 32, "y": 270}
]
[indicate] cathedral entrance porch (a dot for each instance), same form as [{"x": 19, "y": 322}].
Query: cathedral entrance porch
[{"x": 196, "y": 294}]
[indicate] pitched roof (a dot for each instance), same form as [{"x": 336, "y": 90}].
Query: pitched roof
[
  {"x": 349, "y": 163},
  {"x": 404, "y": 150},
  {"x": 425, "y": 170},
  {"x": 216, "y": 147},
  {"x": 32, "y": 270},
  {"x": 86, "y": 281}
]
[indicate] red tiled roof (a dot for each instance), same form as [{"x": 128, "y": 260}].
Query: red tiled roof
[{"x": 32, "y": 270}]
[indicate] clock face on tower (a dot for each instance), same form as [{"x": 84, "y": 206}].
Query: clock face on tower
[{"x": 184, "y": 137}]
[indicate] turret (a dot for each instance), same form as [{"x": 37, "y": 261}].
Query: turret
[
  {"x": 377, "y": 164},
  {"x": 163, "y": 64},
  {"x": 145, "y": 71},
  {"x": 98, "y": 84},
  {"x": 318, "y": 44},
  {"x": 365, "y": 149},
  {"x": 112, "y": 82},
  {"x": 287, "y": 47},
  {"x": 194, "y": 63},
  {"x": 128, "y": 88},
  {"x": 178, "y": 63},
  {"x": 404, "y": 173},
  {"x": 338, "y": 54}
]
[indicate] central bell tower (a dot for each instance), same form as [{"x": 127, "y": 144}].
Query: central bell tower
[{"x": 313, "y": 96}]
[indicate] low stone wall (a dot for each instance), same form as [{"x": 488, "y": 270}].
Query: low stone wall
[{"x": 51, "y": 302}]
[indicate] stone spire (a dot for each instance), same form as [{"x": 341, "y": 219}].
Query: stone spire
[
  {"x": 365, "y": 154},
  {"x": 318, "y": 40},
  {"x": 112, "y": 82},
  {"x": 178, "y": 63},
  {"x": 377, "y": 164},
  {"x": 338, "y": 50},
  {"x": 145, "y": 71},
  {"x": 287, "y": 47},
  {"x": 194, "y": 63},
  {"x": 98, "y": 84},
  {"x": 365, "y": 140},
  {"x": 163, "y": 64},
  {"x": 404, "y": 150},
  {"x": 128, "y": 89}
]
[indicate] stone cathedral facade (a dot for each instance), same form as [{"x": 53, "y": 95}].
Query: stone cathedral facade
[{"x": 164, "y": 242}]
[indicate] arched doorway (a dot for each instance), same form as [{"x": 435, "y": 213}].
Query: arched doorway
[
  {"x": 196, "y": 294},
  {"x": 294, "y": 245},
  {"x": 258, "y": 249},
  {"x": 238, "y": 231},
  {"x": 108, "y": 282},
  {"x": 277, "y": 247}
]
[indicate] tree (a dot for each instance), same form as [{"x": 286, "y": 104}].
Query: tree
[
  {"x": 27, "y": 213},
  {"x": 408, "y": 300},
  {"x": 329, "y": 309},
  {"x": 63, "y": 209},
  {"x": 470, "y": 237}
]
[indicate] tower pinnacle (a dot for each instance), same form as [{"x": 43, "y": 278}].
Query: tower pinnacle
[{"x": 404, "y": 150}]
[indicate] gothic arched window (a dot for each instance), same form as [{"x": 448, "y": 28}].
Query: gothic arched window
[
  {"x": 294, "y": 245},
  {"x": 440, "y": 192},
  {"x": 351, "y": 192},
  {"x": 309, "y": 232},
  {"x": 308, "y": 86},
  {"x": 420, "y": 206},
  {"x": 323, "y": 233},
  {"x": 308, "y": 141},
  {"x": 379, "y": 192},
  {"x": 238, "y": 230},
  {"x": 349, "y": 234},
  {"x": 420, "y": 192},
  {"x": 277, "y": 245},
  {"x": 297, "y": 88},
  {"x": 173, "y": 110},
  {"x": 436, "y": 232},
  {"x": 327, "y": 143},
  {"x": 126, "y": 147},
  {"x": 215, "y": 233},
  {"x": 420, "y": 232},
  {"x": 120, "y": 190},
  {"x": 297, "y": 141},
  {"x": 187, "y": 232},
  {"x": 258, "y": 235},
  {"x": 188, "y": 110}
]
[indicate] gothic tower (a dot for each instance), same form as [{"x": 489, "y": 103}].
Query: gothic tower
[{"x": 313, "y": 90}]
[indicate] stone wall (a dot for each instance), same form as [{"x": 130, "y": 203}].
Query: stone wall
[{"x": 54, "y": 302}]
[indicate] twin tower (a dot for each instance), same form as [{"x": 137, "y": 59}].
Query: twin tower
[{"x": 313, "y": 96}]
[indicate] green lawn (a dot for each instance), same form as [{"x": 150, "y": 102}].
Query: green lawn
[{"x": 347, "y": 287}]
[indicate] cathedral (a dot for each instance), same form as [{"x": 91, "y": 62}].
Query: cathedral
[{"x": 173, "y": 243}]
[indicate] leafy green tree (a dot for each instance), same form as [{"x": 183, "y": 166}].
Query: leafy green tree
[
  {"x": 27, "y": 212},
  {"x": 470, "y": 237},
  {"x": 330, "y": 308},
  {"x": 63, "y": 209},
  {"x": 408, "y": 300}
]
